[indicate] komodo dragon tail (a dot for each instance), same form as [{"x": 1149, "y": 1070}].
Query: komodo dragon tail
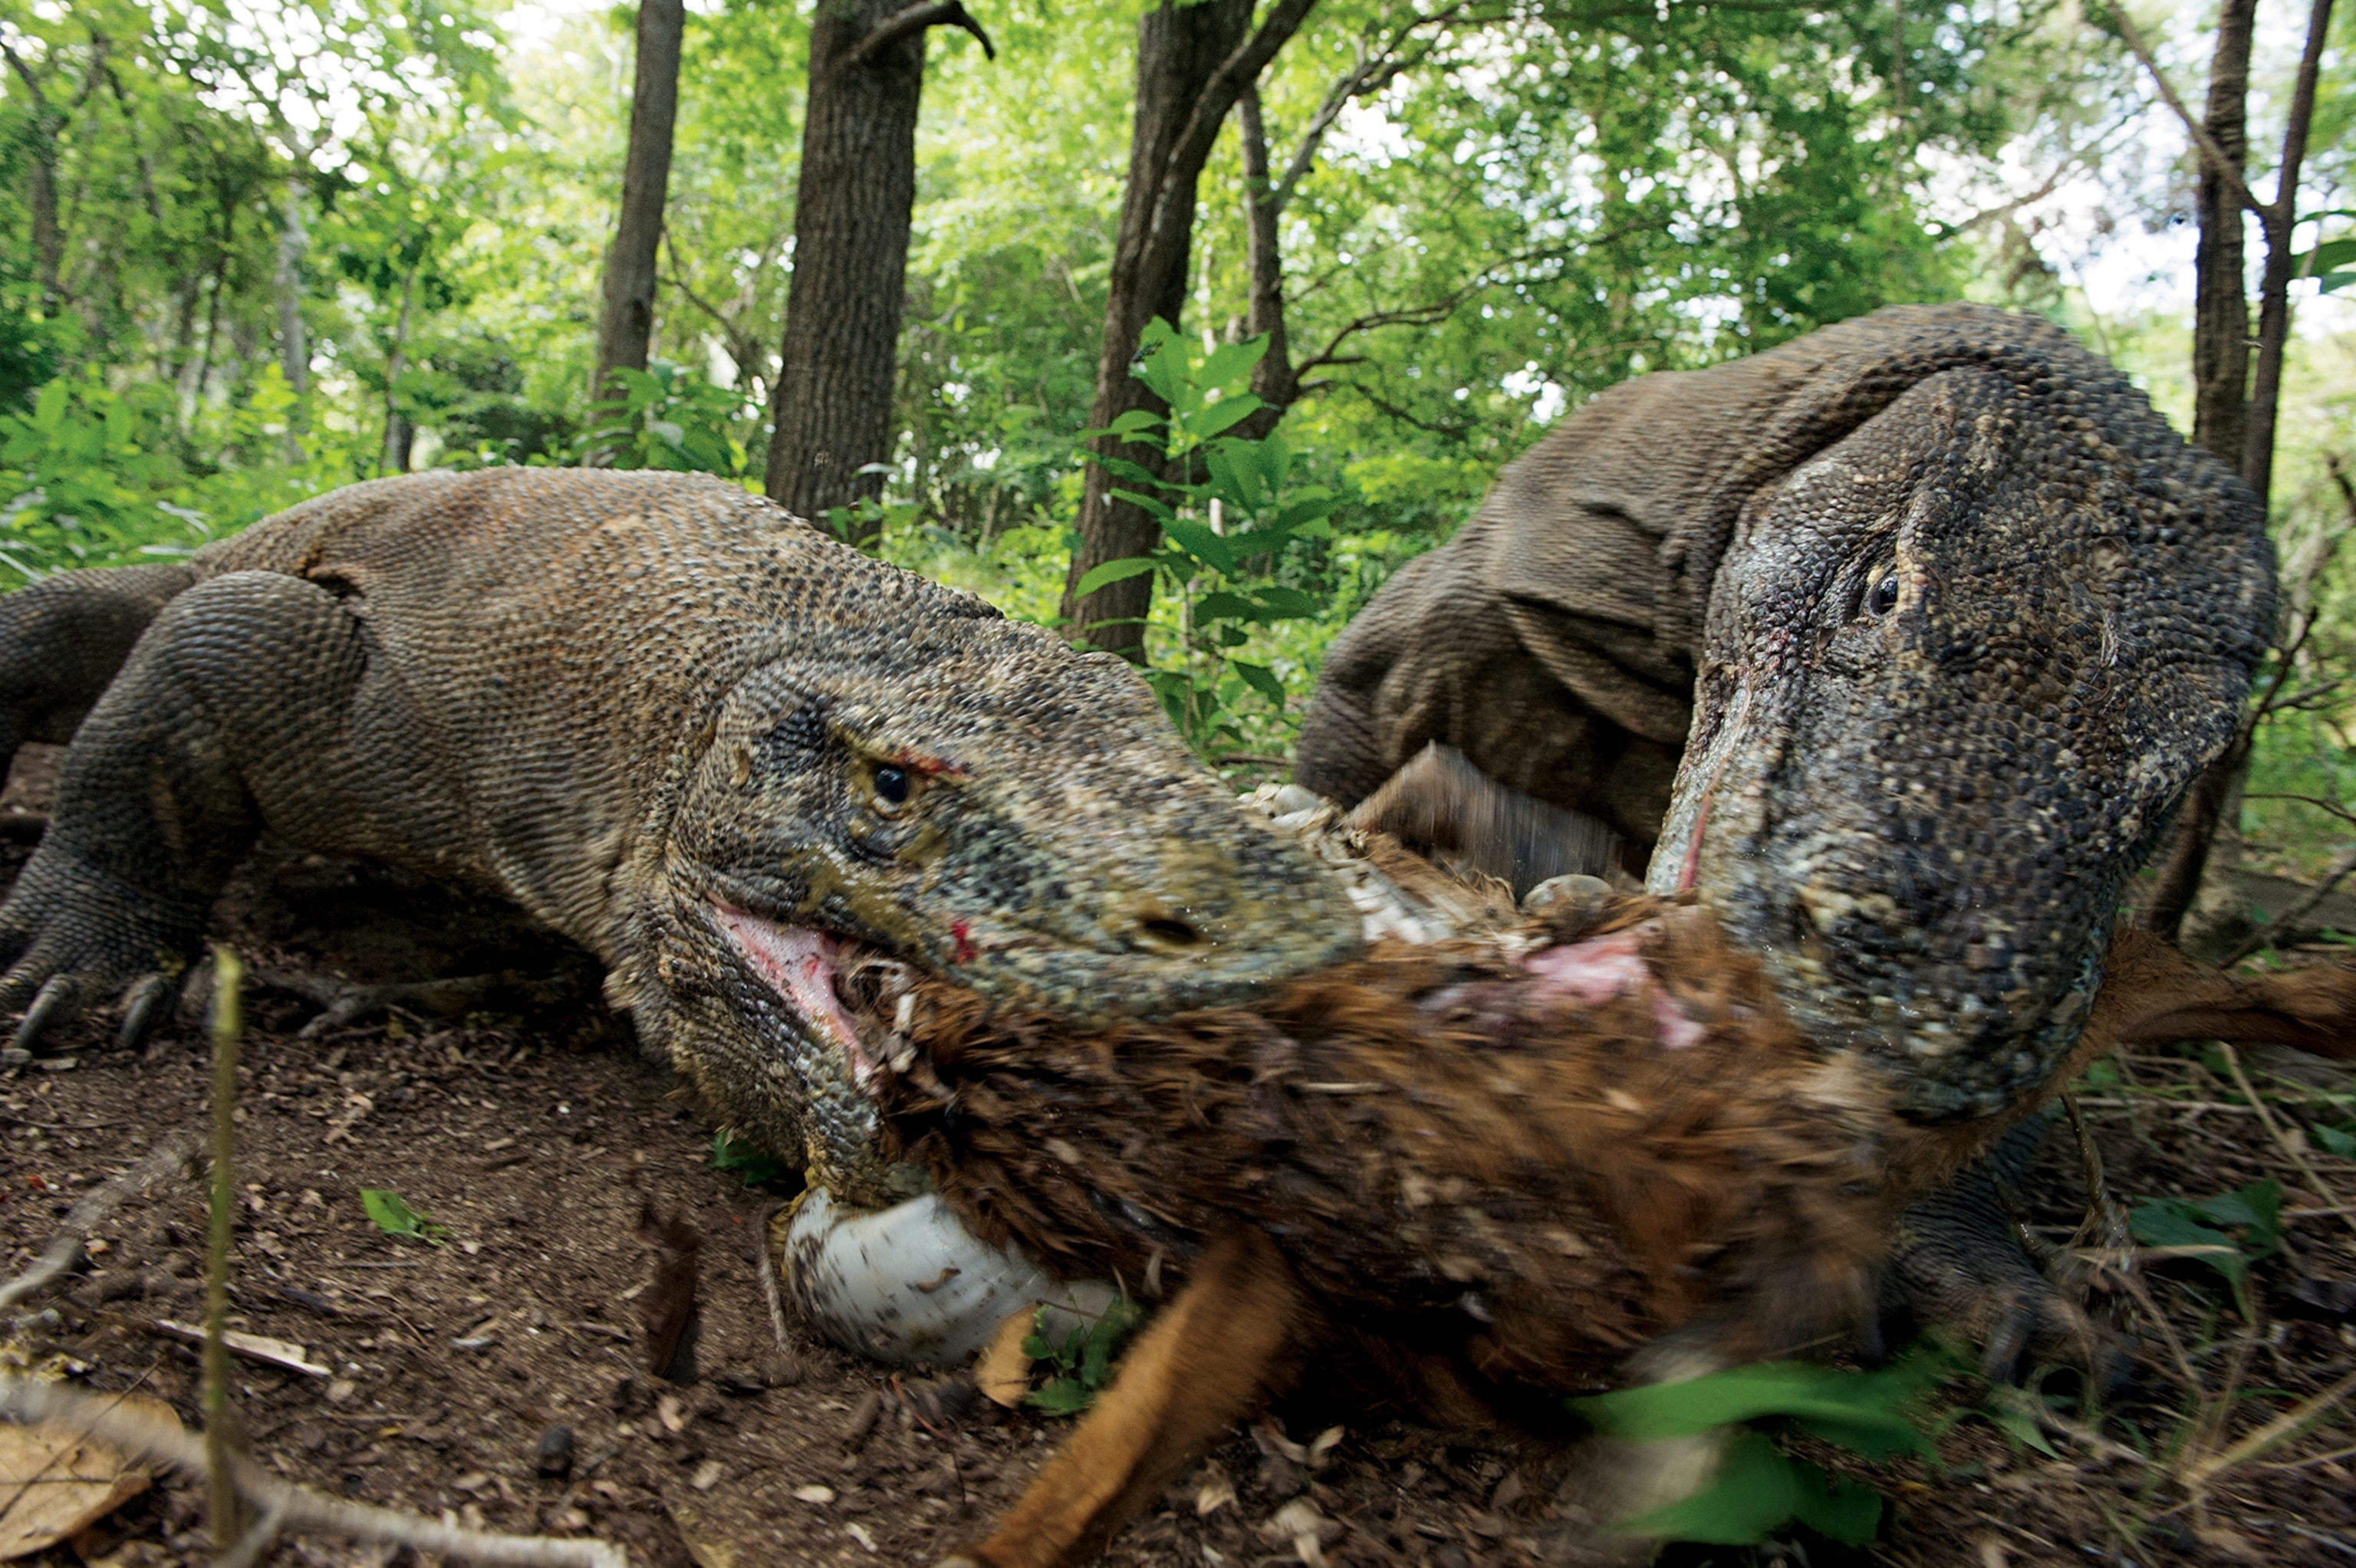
[{"x": 62, "y": 640}]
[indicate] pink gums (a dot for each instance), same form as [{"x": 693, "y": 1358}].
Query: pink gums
[
  {"x": 1594, "y": 972},
  {"x": 798, "y": 961}
]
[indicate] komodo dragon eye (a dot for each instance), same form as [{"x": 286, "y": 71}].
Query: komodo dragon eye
[{"x": 1882, "y": 597}]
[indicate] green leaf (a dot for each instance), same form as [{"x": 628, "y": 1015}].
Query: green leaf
[
  {"x": 1860, "y": 1411},
  {"x": 2257, "y": 1206},
  {"x": 746, "y": 1163},
  {"x": 1308, "y": 505},
  {"x": 1197, "y": 540},
  {"x": 1224, "y": 606},
  {"x": 1061, "y": 1396},
  {"x": 1261, "y": 679},
  {"x": 2254, "y": 1208},
  {"x": 1160, "y": 509},
  {"x": 1286, "y": 603},
  {"x": 1113, "y": 572},
  {"x": 1227, "y": 412},
  {"x": 2329, "y": 256},
  {"x": 1757, "y": 1491},
  {"x": 396, "y": 1217},
  {"x": 1230, "y": 364},
  {"x": 2007, "y": 1409},
  {"x": 2332, "y": 1140},
  {"x": 1161, "y": 362},
  {"x": 1122, "y": 468}
]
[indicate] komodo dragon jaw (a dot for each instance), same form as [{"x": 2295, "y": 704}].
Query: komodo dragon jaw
[
  {"x": 1004, "y": 817},
  {"x": 1955, "y": 680}
]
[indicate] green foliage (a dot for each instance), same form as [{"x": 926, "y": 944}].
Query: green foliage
[
  {"x": 1082, "y": 1363},
  {"x": 746, "y": 1163},
  {"x": 1227, "y": 516},
  {"x": 668, "y": 419},
  {"x": 394, "y": 1217},
  {"x": 77, "y": 471},
  {"x": 1758, "y": 1491},
  {"x": 2205, "y": 1229}
]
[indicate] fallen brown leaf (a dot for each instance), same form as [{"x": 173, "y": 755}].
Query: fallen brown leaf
[
  {"x": 1003, "y": 1373},
  {"x": 56, "y": 1481}
]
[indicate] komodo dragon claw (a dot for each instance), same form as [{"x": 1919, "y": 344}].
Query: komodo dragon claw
[{"x": 1957, "y": 1263}]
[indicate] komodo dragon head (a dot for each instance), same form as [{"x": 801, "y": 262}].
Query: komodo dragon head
[
  {"x": 1975, "y": 616},
  {"x": 965, "y": 795}
]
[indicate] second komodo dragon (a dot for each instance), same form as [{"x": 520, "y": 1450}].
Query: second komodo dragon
[{"x": 671, "y": 722}]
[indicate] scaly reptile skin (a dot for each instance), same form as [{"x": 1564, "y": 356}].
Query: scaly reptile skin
[
  {"x": 1934, "y": 618},
  {"x": 677, "y": 725}
]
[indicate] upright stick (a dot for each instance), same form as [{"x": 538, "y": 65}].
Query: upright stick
[{"x": 228, "y": 974}]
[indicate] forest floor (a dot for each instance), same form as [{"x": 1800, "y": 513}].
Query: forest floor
[{"x": 536, "y": 1137}]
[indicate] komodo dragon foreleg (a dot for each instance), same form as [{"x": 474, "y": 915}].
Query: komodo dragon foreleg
[{"x": 231, "y": 710}]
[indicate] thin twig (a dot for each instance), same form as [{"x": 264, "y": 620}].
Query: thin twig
[
  {"x": 257, "y": 1541},
  {"x": 2341, "y": 865},
  {"x": 32, "y": 1400},
  {"x": 169, "y": 1155},
  {"x": 915, "y": 19},
  {"x": 2210, "y": 153},
  {"x": 773, "y": 1297},
  {"x": 2281, "y": 1429},
  {"x": 2297, "y": 1151},
  {"x": 228, "y": 973}
]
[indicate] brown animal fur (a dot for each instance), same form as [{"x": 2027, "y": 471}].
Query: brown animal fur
[{"x": 1420, "y": 1156}]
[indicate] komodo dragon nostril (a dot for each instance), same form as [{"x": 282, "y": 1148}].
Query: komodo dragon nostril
[{"x": 1163, "y": 931}]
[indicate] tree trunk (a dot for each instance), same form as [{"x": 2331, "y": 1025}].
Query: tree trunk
[
  {"x": 2233, "y": 418},
  {"x": 629, "y": 320},
  {"x": 2220, "y": 310},
  {"x": 294, "y": 340},
  {"x": 2221, "y": 373},
  {"x": 1179, "y": 56},
  {"x": 1272, "y": 378},
  {"x": 2273, "y": 290},
  {"x": 832, "y": 408},
  {"x": 41, "y": 195}
]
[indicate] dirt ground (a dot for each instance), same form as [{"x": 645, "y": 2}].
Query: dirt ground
[{"x": 501, "y": 1379}]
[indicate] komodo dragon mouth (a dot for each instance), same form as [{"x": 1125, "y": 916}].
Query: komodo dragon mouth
[{"x": 802, "y": 964}]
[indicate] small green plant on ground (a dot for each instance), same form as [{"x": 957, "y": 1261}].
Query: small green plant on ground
[
  {"x": 1227, "y": 508},
  {"x": 1758, "y": 1489},
  {"x": 746, "y": 1163},
  {"x": 1082, "y": 1364},
  {"x": 2206, "y": 1229},
  {"x": 394, "y": 1217}
]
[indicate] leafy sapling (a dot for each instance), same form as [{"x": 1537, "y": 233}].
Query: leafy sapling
[{"x": 1227, "y": 509}]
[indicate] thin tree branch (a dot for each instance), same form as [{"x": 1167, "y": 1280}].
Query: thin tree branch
[
  {"x": 915, "y": 19},
  {"x": 1371, "y": 74},
  {"x": 31, "y": 1399},
  {"x": 2336, "y": 809},
  {"x": 2210, "y": 153},
  {"x": 741, "y": 347},
  {"x": 2341, "y": 865},
  {"x": 1191, "y": 146},
  {"x": 15, "y": 63},
  {"x": 169, "y": 1155}
]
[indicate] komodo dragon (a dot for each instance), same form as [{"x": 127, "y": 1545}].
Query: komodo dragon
[
  {"x": 668, "y": 719},
  {"x": 1898, "y": 642}
]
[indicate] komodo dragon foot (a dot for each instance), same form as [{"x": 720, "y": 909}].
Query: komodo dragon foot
[
  {"x": 1958, "y": 1262},
  {"x": 75, "y": 936}
]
